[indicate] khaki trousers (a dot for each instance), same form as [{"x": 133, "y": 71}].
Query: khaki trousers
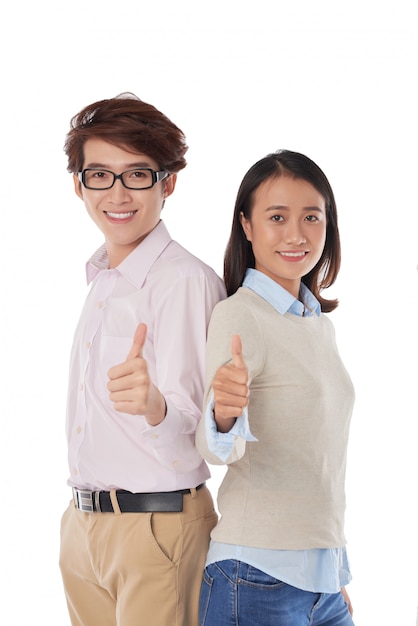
[{"x": 136, "y": 569}]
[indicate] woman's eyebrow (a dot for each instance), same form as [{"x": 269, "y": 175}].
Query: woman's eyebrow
[{"x": 283, "y": 207}]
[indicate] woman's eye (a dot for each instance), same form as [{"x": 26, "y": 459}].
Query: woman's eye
[
  {"x": 277, "y": 218},
  {"x": 312, "y": 218}
]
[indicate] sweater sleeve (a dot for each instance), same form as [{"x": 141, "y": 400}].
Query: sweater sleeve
[{"x": 229, "y": 317}]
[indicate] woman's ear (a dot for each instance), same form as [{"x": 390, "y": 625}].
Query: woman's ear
[{"x": 246, "y": 225}]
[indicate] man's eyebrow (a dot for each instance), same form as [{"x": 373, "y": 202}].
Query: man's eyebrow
[{"x": 97, "y": 165}]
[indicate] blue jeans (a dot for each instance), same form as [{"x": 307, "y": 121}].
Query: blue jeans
[{"x": 234, "y": 593}]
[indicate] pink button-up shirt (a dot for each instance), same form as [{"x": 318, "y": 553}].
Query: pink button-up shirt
[{"x": 173, "y": 293}]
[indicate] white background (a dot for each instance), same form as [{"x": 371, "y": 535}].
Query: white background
[{"x": 335, "y": 80}]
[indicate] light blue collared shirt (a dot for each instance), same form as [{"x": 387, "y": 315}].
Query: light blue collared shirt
[{"x": 317, "y": 570}]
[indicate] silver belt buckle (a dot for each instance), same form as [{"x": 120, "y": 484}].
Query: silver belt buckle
[{"x": 87, "y": 501}]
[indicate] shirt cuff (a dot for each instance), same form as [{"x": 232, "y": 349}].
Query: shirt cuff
[{"x": 222, "y": 444}]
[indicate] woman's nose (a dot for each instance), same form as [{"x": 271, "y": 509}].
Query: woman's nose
[{"x": 295, "y": 234}]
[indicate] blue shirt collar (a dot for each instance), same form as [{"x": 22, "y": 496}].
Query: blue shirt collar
[{"x": 278, "y": 297}]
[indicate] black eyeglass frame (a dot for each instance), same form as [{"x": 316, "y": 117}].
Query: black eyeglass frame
[{"x": 157, "y": 176}]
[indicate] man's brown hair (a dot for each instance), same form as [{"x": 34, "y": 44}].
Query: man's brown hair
[{"x": 127, "y": 122}]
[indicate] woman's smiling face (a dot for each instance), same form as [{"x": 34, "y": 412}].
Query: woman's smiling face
[{"x": 287, "y": 229}]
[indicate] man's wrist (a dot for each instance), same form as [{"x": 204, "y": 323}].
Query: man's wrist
[{"x": 157, "y": 414}]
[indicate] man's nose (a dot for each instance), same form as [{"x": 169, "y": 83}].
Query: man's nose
[{"x": 118, "y": 191}]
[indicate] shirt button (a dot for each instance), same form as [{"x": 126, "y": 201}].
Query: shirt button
[
  {"x": 176, "y": 462},
  {"x": 79, "y": 430},
  {"x": 155, "y": 436},
  {"x": 100, "y": 305},
  {"x": 88, "y": 345},
  {"x": 75, "y": 471}
]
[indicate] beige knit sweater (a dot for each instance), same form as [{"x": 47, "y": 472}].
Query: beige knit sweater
[{"x": 285, "y": 491}]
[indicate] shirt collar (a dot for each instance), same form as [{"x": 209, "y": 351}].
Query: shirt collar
[
  {"x": 280, "y": 298},
  {"x": 138, "y": 263}
]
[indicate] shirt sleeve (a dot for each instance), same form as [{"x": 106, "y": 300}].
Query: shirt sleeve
[
  {"x": 179, "y": 344},
  {"x": 222, "y": 444}
]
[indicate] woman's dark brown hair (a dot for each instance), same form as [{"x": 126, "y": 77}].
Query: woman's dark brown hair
[
  {"x": 239, "y": 253},
  {"x": 127, "y": 122}
]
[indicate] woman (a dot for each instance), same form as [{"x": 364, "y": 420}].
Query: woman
[{"x": 277, "y": 409}]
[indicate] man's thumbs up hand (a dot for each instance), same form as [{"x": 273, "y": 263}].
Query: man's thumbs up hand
[{"x": 130, "y": 387}]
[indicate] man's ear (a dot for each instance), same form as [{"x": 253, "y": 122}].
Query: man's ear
[
  {"x": 77, "y": 186},
  {"x": 169, "y": 185}
]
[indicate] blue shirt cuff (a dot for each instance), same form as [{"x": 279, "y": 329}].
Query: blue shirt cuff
[{"x": 222, "y": 444}]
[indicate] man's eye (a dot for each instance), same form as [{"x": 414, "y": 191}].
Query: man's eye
[
  {"x": 138, "y": 174},
  {"x": 99, "y": 174}
]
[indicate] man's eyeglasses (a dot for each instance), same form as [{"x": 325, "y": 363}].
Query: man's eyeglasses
[{"x": 139, "y": 178}]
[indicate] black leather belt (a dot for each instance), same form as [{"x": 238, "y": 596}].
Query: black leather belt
[{"x": 159, "y": 502}]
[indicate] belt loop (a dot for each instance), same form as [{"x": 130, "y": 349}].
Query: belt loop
[
  {"x": 193, "y": 492},
  {"x": 115, "y": 503}
]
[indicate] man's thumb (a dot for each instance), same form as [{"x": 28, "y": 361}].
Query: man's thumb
[{"x": 138, "y": 342}]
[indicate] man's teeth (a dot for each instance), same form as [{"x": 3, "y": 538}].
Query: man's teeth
[{"x": 120, "y": 216}]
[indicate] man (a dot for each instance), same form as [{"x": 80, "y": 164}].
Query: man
[{"x": 135, "y": 536}]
